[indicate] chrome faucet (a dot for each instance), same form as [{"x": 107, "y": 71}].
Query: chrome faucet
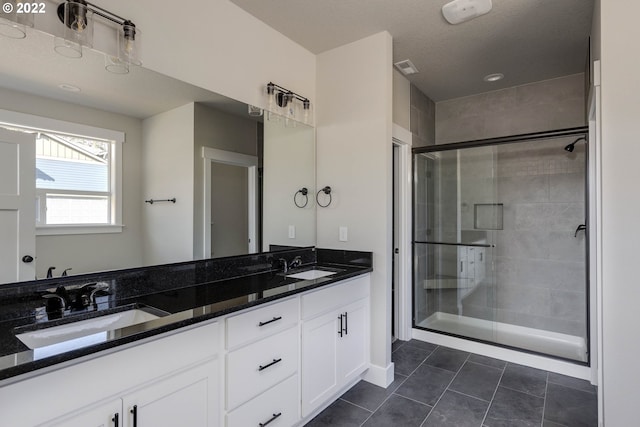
[
  {"x": 285, "y": 266},
  {"x": 297, "y": 262}
]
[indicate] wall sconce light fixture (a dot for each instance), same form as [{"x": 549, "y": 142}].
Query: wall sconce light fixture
[
  {"x": 77, "y": 16},
  {"x": 288, "y": 104}
]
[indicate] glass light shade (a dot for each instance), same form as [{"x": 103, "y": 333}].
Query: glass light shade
[
  {"x": 128, "y": 44},
  {"x": 13, "y": 24},
  {"x": 307, "y": 113},
  {"x": 115, "y": 65},
  {"x": 78, "y": 31}
]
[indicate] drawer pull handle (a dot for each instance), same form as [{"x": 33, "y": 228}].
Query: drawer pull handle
[
  {"x": 134, "y": 412},
  {"x": 346, "y": 324},
  {"x": 341, "y": 330},
  {"x": 272, "y": 418},
  {"x": 262, "y": 368},
  {"x": 116, "y": 419},
  {"x": 275, "y": 319}
]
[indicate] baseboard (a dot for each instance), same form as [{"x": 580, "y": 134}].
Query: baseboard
[{"x": 380, "y": 376}]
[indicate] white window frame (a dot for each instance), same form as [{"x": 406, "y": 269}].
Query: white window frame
[{"x": 45, "y": 124}]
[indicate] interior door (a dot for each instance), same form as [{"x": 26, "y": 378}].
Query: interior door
[{"x": 17, "y": 206}]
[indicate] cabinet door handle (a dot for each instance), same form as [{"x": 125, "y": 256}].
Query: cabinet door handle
[
  {"x": 262, "y": 368},
  {"x": 134, "y": 412},
  {"x": 275, "y": 319},
  {"x": 116, "y": 419},
  {"x": 270, "y": 420},
  {"x": 346, "y": 325},
  {"x": 340, "y": 331}
]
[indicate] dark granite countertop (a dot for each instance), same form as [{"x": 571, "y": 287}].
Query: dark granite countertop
[{"x": 180, "y": 294}]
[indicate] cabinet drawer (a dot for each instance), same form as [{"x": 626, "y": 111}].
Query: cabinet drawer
[
  {"x": 261, "y": 322},
  {"x": 334, "y": 296},
  {"x": 259, "y": 366},
  {"x": 282, "y": 399}
]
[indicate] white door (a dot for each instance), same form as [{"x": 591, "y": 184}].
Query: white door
[
  {"x": 17, "y": 206},
  {"x": 229, "y": 210}
]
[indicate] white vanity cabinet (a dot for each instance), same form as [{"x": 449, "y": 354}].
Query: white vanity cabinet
[
  {"x": 335, "y": 340},
  {"x": 262, "y": 365},
  {"x": 173, "y": 380}
]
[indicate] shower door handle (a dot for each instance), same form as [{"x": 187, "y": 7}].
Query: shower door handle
[{"x": 581, "y": 227}]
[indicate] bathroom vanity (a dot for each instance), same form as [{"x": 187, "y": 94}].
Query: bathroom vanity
[{"x": 232, "y": 349}]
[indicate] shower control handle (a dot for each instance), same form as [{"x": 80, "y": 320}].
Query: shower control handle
[{"x": 581, "y": 227}]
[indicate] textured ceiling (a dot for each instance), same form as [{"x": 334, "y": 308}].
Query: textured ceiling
[
  {"x": 526, "y": 40},
  {"x": 31, "y": 65}
]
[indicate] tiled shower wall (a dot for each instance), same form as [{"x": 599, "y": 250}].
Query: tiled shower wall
[
  {"x": 423, "y": 119},
  {"x": 550, "y": 104}
]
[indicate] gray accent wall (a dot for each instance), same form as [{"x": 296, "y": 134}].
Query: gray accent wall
[{"x": 423, "y": 119}]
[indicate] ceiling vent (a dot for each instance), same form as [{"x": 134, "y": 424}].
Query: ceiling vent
[
  {"x": 406, "y": 67},
  {"x": 459, "y": 11}
]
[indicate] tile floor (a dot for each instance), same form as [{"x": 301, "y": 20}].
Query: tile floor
[{"x": 440, "y": 386}]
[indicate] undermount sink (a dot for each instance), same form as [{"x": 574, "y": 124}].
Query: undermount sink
[
  {"x": 58, "y": 339},
  {"x": 311, "y": 274}
]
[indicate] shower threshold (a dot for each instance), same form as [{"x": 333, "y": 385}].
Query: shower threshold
[{"x": 538, "y": 340}]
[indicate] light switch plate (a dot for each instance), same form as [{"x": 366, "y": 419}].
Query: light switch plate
[
  {"x": 292, "y": 231},
  {"x": 343, "y": 234}
]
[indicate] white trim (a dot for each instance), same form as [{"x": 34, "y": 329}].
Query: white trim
[
  {"x": 513, "y": 356},
  {"x": 402, "y": 139},
  {"x": 46, "y": 124},
  {"x": 379, "y": 375},
  {"x": 54, "y": 230},
  {"x": 230, "y": 158}
]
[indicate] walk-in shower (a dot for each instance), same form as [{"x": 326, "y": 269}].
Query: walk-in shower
[{"x": 500, "y": 242}]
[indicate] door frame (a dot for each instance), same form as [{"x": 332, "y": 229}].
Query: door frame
[
  {"x": 213, "y": 155},
  {"x": 402, "y": 139}
]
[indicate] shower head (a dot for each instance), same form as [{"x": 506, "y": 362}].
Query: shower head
[{"x": 571, "y": 146}]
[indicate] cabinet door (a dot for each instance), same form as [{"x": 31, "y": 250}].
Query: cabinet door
[
  {"x": 353, "y": 346},
  {"x": 190, "y": 398},
  {"x": 319, "y": 360},
  {"x": 105, "y": 415}
]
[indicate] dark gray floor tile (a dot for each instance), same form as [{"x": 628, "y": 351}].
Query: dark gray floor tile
[
  {"x": 398, "y": 411},
  {"x": 525, "y": 379},
  {"x": 576, "y": 383},
  {"x": 511, "y": 408},
  {"x": 447, "y": 358},
  {"x": 426, "y": 385},
  {"x": 489, "y": 361},
  {"x": 422, "y": 344},
  {"x": 407, "y": 358},
  {"x": 571, "y": 407},
  {"x": 370, "y": 396},
  {"x": 340, "y": 413},
  {"x": 457, "y": 410},
  {"x": 547, "y": 423},
  {"x": 477, "y": 380}
]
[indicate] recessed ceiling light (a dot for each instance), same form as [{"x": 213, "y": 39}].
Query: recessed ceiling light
[
  {"x": 406, "y": 67},
  {"x": 69, "y": 88},
  {"x": 493, "y": 77}
]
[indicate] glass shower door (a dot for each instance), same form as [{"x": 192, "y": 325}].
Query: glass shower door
[{"x": 456, "y": 213}]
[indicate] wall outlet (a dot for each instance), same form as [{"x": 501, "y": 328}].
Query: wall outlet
[
  {"x": 343, "y": 234},
  {"x": 292, "y": 231}
]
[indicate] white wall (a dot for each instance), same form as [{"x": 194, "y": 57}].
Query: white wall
[
  {"x": 167, "y": 172},
  {"x": 218, "y": 46},
  {"x": 354, "y": 124},
  {"x": 87, "y": 253},
  {"x": 620, "y": 211},
  {"x": 289, "y": 156}
]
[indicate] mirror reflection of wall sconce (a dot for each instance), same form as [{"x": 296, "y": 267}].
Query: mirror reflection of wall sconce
[
  {"x": 327, "y": 191},
  {"x": 78, "y": 19},
  {"x": 304, "y": 193},
  {"x": 288, "y": 104}
]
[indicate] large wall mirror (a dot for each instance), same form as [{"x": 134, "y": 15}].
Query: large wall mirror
[{"x": 237, "y": 179}]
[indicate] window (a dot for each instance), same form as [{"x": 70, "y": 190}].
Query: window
[
  {"x": 73, "y": 183},
  {"x": 78, "y": 175}
]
